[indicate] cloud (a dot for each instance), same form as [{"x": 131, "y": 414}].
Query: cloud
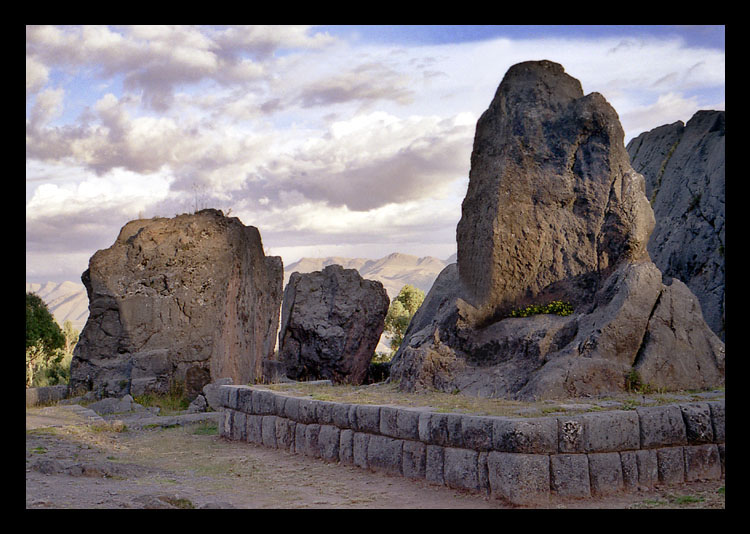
[
  {"x": 318, "y": 142},
  {"x": 36, "y": 75}
]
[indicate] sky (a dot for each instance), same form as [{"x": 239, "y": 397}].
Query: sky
[{"x": 346, "y": 141}]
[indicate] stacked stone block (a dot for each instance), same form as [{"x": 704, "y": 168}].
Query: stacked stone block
[{"x": 522, "y": 460}]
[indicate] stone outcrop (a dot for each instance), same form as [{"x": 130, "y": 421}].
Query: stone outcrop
[
  {"x": 553, "y": 205},
  {"x": 178, "y": 302},
  {"x": 554, "y": 211},
  {"x": 331, "y": 321},
  {"x": 683, "y": 165}
]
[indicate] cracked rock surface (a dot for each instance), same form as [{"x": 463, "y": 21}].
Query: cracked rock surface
[
  {"x": 554, "y": 211},
  {"x": 178, "y": 301},
  {"x": 684, "y": 169}
]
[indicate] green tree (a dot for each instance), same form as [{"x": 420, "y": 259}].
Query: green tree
[
  {"x": 45, "y": 340},
  {"x": 402, "y": 309}
]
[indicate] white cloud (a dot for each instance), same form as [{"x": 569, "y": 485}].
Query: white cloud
[
  {"x": 316, "y": 141},
  {"x": 36, "y": 75}
]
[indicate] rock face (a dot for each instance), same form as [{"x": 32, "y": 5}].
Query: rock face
[
  {"x": 553, "y": 205},
  {"x": 683, "y": 165},
  {"x": 331, "y": 321},
  {"x": 554, "y": 211},
  {"x": 178, "y": 302}
]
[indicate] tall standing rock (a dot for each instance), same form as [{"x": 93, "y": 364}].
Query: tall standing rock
[
  {"x": 552, "y": 205},
  {"x": 179, "y": 301},
  {"x": 554, "y": 211},
  {"x": 684, "y": 168},
  {"x": 331, "y": 322}
]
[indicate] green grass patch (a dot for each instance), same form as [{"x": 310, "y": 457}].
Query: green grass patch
[
  {"x": 171, "y": 403},
  {"x": 556, "y": 307},
  {"x": 207, "y": 428}
]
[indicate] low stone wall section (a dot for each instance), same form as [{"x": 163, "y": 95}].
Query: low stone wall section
[
  {"x": 522, "y": 460},
  {"x": 46, "y": 395}
]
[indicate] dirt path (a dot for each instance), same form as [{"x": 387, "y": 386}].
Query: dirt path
[{"x": 76, "y": 462}]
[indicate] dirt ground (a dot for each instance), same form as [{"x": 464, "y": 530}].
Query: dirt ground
[{"x": 72, "y": 462}]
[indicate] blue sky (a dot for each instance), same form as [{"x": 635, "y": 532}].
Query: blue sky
[{"x": 332, "y": 140}]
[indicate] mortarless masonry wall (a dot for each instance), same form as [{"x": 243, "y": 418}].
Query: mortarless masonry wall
[{"x": 521, "y": 460}]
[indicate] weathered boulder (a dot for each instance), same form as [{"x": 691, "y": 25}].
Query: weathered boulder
[
  {"x": 553, "y": 205},
  {"x": 331, "y": 321},
  {"x": 684, "y": 169},
  {"x": 176, "y": 303},
  {"x": 554, "y": 212}
]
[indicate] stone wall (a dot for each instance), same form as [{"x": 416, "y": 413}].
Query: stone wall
[
  {"x": 46, "y": 395},
  {"x": 521, "y": 460}
]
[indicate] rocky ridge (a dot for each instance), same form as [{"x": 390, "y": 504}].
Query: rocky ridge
[
  {"x": 684, "y": 169},
  {"x": 554, "y": 211}
]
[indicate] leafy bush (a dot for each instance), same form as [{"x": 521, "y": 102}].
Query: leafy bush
[
  {"x": 402, "y": 309},
  {"x": 556, "y": 307}
]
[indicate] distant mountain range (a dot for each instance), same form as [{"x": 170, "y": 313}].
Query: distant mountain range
[
  {"x": 393, "y": 271},
  {"x": 67, "y": 301}
]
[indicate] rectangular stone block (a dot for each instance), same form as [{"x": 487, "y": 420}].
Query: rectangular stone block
[
  {"x": 367, "y": 418},
  {"x": 268, "y": 431},
  {"x": 238, "y": 425},
  {"x": 477, "y": 432},
  {"x": 434, "y": 464},
  {"x": 231, "y": 396},
  {"x": 324, "y": 412},
  {"x": 224, "y": 394},
  {"x": 527, "y": 436},
  {"x": 254, "y": 429},
  {"x": 460, "y": 468},
  {"x": 648, "y": 467},
  {"x": 285, "y": 433},
  {"x": 413, "y": 461},
  {"x": 629, "y": 469},
  {"x": 661, "y": 426},
  {"x": 359, "y": 449},
  {"x": 312, "y": 447},
  {"x": 444, "y": 429},
  {"x": 291, "y": 408},
  {"x": 569, "y": 475},
  {"x": 605, "y": 471},
  {"x": 399, "y": 423},
  {"x": 346, "y": 444},
  {"x": 244, "y": 399},
  {"x": 702, "y": 462},
  {"x": 407, "y": 424},
  {"x": 389, "y": 421},
  {"x": 328, "y": 442},
  {"x": 300, "y": 442},
  {"x": 384, "y": 454},
  {"x": 698, "y": 425},
  {"x": 717, "y": 419},
  {"x": 340, "y": 415},
  {"x": 279, "y": 402},
  {"x": 522, "y": 479},
  {"x": 671, "y": 465},
  {"x": 264, "y": 402},
  {"x": 611, "y": 431},
  {"x": 306, "y": 411}
]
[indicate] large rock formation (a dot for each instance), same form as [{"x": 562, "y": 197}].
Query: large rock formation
[
  {"x": 178, "y": 302},
  {"x": 683, "y": 165},
  {"x": 554, "y": 211},
  {"x": 331, "y": 321}
]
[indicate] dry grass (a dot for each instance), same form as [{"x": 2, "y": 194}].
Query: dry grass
[{"x": 389, "y": 394}]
